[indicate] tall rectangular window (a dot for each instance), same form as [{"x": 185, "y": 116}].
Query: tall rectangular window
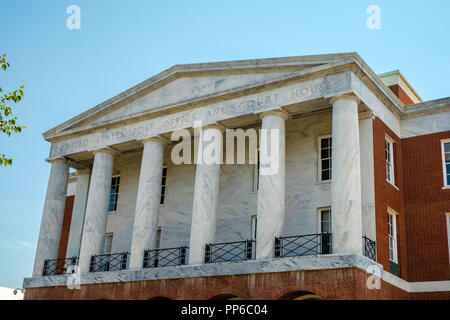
[
  {"x": 163, "y": 185},
  {"x": 389, "y": 156},
  {"x": 255, "y": 185},
  {"x": 325, "y": 162},
  {"x": 114, "y": 194},
  {"x": 325, "y": 231},
  {"x": 392, "y": 233},
  {"x": 446, "y": 161},
  {"x": 447, "y": 216},
  {"x": 254, "y": 227},
  {"x": 158, "y": 237},
  {"x": 107, "y": 243},
  {"x": 325, "y": 221}
]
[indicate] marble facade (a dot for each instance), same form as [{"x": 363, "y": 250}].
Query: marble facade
[{"x": 305, "y": 98}]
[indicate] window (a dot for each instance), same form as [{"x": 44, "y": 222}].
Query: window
[
  {"x": 114, "y": 194},
  {"x": 254, "y": 227},
  {"x": 389, "y": 156},
  {"x": 255, "y": 185},
  {"x": 447, "y": 216},
  {"x": 158, "y": 237},
  {"x": 446, "y": 161},
  {"x": 107, "y": 243},
  {"x": 392, "y": 233},
  {"x": 325, "y": 158},
  {"x": 325, "y": 220},
  {"x": 163, "y": 185},
  {"x": 325, "y": 230}
]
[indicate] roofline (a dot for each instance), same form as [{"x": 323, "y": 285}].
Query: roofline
[
  {"x": 230, "y": 65},
  {"x": 404, "y": 79}
]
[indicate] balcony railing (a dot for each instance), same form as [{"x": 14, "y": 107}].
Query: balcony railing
[
  {"x": 370, "y": 248},
  {"x": 109, "y": 262},
  {"x": 59, "y": 266},
  {"x": 229, "y": 251},
  {"x": 165, "y": 257},
  {"x": 309, "y": 244}
]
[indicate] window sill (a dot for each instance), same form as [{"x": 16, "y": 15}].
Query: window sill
[
  {"x": 446, "y": 188},
  {"x": 392, "y": 185},
  {"x": 323, "y": 182},
  {"x": 112, "y": 212}
]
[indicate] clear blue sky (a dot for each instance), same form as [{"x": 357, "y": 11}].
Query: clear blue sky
[{"x": 122, "y": 43}]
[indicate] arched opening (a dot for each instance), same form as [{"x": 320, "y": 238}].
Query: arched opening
[
  {"x": 225, "y": 296},
  {"x": 300, "y": 295}
]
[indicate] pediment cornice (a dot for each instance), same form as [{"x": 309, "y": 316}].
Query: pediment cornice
[{"x": 290, "y": 69}]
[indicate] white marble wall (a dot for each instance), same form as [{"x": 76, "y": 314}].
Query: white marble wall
[
  {"x": 425, "y": 124},
  {"x": 237, "y": 202}
]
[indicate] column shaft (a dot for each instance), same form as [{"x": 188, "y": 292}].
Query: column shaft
[
  {"x": 271, "y": 194},
  {"x": 97, "y": 208},
  {"x": 346, "y": 177},
  {"x": 79, "y": 209},
  {"x": 52, "y": 216},
  {"x": 148, "y": 201},
  {"x": 206, "y": 195}
]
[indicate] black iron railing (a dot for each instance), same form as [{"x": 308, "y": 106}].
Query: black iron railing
[
  {"x": 229, "y": 251},
  {"x": 370, "y": 248},
  {"x": 309, "y": 244},
  {"x": 165, "y": 257},
  {"x": 59, "y": 266},
  {"x": 109, "y": 262}
]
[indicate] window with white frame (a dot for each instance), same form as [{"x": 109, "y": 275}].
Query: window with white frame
[
  {"x": 158, "y": 237},
  {"x": 389, "y": 157},
  {"x": 392, "y": 234},
  {"x": 114, "y": 194},
  {"x": 446, "y": 161},
  {"x": 254, "y": 227},
  {"x": 447, "y": 216},
  {"x": 107, "y": 243},
  {"x": 325, "y": 163},
  {"x": 325, "y": 220},
  {"x": 324, "y": 240},
  {"x": 163, "y": 185},
  {"x": 256, "y": 173}
]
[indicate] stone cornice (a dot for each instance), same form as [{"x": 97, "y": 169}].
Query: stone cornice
[{"x": 318, "y": 65}]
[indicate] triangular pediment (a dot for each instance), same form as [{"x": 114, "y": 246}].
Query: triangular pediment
[{"x": 188, "y": 84}]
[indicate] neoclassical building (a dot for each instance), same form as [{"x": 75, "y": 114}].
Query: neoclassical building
[{"x": 359, "y": 207}]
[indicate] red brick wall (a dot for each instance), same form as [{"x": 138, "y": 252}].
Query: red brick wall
[
  {"x": 64, "y": 239},
  {"x": 333, "y": 284},
  {"x": 387, "y": 195},
  {"x": 401, "y": 94},
  {"x": 425, "y": 205},
  {"x": 420, "y": 201}
]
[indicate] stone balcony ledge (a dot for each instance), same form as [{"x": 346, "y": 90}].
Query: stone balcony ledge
[{"x": 304, "y": 263}]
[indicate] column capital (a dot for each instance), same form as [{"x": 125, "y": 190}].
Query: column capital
[
  {"x": 156, "y": 139},
  {"x": 107, "y": 151},
  {"x": 55, "y": 160},
  {"x": 349, "y": 96},
  {"x": 276, "y": 112}
]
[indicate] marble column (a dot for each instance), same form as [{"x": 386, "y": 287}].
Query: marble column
[
  {"x": 53, "y": 215},
  {"x": 271, "y": 189},
  {"x": 96, "y": 215},
  {"x": 206, "y": 196},
  {"x": 346, "y": 177},
  {"x": 148, "y": 201},
  {"x": 79, "y": 209}
]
